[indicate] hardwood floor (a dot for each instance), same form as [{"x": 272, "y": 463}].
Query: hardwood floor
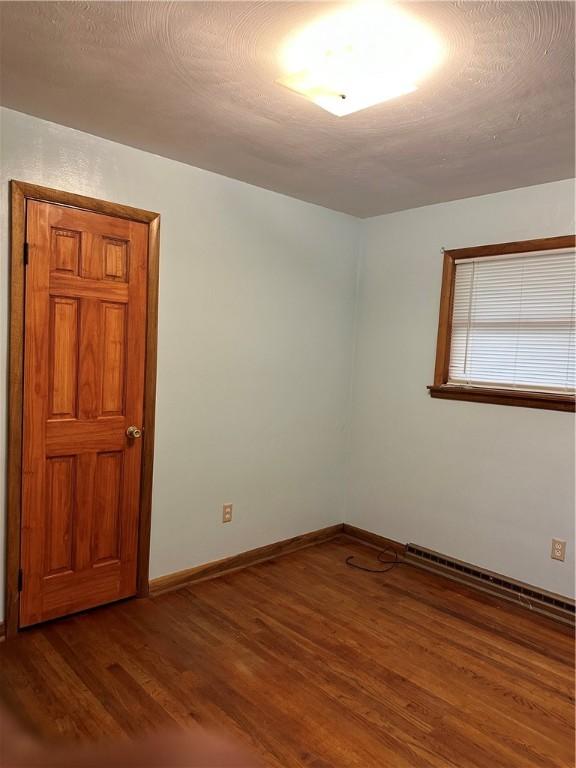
[{"x": 313, "y": 664}]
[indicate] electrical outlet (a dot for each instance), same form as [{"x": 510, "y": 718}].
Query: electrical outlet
[
  {"x": 227, "y": 513},
  {"x": 558, "y": 549}
]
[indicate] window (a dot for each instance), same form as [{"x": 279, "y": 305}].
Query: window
[{"x": 507, "y": 329}]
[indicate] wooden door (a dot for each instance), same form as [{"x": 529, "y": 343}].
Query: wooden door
[{"x": 84, "y": 356}]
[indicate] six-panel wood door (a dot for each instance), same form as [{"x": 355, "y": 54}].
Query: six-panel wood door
[{"x": 84, "y": 356}]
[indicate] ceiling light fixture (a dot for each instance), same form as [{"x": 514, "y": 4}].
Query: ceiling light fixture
[{"x": 362, "y": 55}]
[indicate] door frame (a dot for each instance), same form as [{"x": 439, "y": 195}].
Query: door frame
[{"x": 21, "y": 192}]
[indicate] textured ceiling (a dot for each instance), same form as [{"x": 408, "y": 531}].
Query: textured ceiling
[{"x": 194, "y": 81}]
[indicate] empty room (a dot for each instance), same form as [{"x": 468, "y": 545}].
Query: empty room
[{"x": 287, "y": 384}]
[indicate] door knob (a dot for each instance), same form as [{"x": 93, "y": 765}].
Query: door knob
[{"x": 133, "y": 432}]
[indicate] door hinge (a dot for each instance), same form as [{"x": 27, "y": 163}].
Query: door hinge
[
  {"x": 20, "y": 579},
  {"x": 26, "y": 254}
]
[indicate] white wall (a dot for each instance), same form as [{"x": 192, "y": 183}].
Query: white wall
[
  {"x": 484, "y": 483},
  {"x": 256, "y": 332},
  {"x": 255, "y": 339}
]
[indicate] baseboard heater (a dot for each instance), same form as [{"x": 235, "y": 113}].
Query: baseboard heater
[{"x": 556, "y": 606}]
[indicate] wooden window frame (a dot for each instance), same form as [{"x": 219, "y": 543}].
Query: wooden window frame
[
  {"x": 21, "y": 192},
  {"x": 441, "y": 388}
]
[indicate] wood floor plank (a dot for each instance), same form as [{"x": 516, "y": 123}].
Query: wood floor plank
[
  {"x": 314, "y": 665},
  {"x": 437, "y": 662}
]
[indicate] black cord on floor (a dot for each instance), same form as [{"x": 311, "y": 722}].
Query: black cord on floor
[{"x": 380, "y": 557}]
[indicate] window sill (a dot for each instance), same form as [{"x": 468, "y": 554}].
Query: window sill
[{"x": 547, "y": 400}]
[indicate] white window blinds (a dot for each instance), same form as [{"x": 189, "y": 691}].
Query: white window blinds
[{"x": 513, "y": 322}]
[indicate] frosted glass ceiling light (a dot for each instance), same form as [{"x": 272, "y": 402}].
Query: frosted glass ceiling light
[{"x": 359, "y": 56}]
